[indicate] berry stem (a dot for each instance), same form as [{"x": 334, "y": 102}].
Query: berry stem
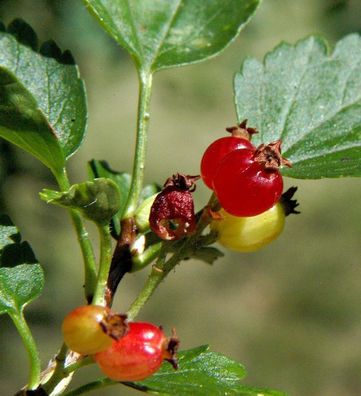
[
  {"x": 77, "y": 365},
  {"x": 31, "y": 348},
  {"x": 155, "y": 277},
  {"x": 145, "y": 89},
  {"x": 142, "y": 260},
  {"x": 91, "y": 386},
  {"x": 63, "y": 373},
  {"x": 162, "y": 267},
  {"x": 84, "y": 242},
  {"x": 104, "y": 266}
]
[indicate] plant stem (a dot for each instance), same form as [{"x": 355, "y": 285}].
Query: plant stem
[
  {"x": 31, "y": 348},
  {"x": 64, "y": 372},
  {"x": 145, "y": 89},
  {"x": 104, "y": 266},
  {"x": 98, "y": 384},
  {"x": 84, "y": 241},
  {"x": 87, "y": 361},
  {"x": 58, "y": 373},
  {"x": 142, "y": 260},
  {"x": 162, "y": 268},
  {"x": 155, "y": 277}
]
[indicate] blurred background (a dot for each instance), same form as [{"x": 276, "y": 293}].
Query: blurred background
[{"x": 291, "y": 312}]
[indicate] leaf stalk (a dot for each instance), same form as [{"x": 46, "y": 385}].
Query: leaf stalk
[
  {"x": 31, "y": 348},
  {"x": 84, "y": 241},
  {"x": 145, "y": 90}
]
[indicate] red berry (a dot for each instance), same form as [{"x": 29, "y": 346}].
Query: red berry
[
  {"x": 137, "y": 355},
  {"x": 172, "y": 213},
  {"x": 248, "y": 182},
  {"x": 216, "y": 152}
]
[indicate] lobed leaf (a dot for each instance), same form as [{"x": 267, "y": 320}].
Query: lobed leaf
[
  {"x": 202, "y": 373},
  {"x": 310, "y": 99},
  {"x": 98, "y": 199},
  {"x": 42, "y": 99},
  {"x": 165, "y": 33}
]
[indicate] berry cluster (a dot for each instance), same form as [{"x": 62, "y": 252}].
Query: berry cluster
[
  {"x": 124, "y": 351},
  {"x": 248, "y": 184}
]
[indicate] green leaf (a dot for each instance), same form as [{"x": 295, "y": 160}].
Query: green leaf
[
  {"x": 121, "y": 179},
  {"x": 150, "y": 190},
  {"x": 13, "y": 251},
  {"x": 22, "y": 283},
  {"x": 9, "y": 234},
  {"x": 208, "y": 254},
  {"x": 201, "y": 373},
  {"x": 98, "y": 200},
  {"x": 310, "y": 99},
  {"x": 166, "y": 33},
  {"x": 19, "y": 286},
  {"x": 141, "y": 215},
  {"x": 42, "y": 99}
]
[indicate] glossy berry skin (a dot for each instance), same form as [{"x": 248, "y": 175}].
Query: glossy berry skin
[
  {"x": 135, "y": 356},
  {"x": 216, "y": 152},
  {"x": 82, "y": 331},
  {"x": 248, "y": 234},
  {"x": 244, "y": 187}
]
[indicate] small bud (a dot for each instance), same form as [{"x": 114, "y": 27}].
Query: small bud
[{"x": 172, "y": 213}]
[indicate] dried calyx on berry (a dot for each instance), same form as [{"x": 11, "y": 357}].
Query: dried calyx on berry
[
  {"x": 114, "y": 325},
  {"x": 289, "y": 204},
  {"x": 269, "y": 155},
  {"x": 172, "y": 213},
  {"x": 170, "y": 349},
  {"x": 241, "y": 130}
]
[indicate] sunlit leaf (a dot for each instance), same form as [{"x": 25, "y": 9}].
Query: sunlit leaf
[
  {"x": 165, "y": 33},
  {"x": 310, "y": 99},
  {"x": 42, "y": 99},
  {"x": 24, "y": 280}
]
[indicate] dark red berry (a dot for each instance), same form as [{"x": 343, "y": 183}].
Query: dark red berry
[
  {"x": 248, "y": 182},
  {"x": 223, "y": 146},
  {"x": 172, "y": 213},
  {"x": 138, "y": 354}
]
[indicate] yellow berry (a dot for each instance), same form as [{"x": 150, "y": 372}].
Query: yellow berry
[{"x": 248, "y": 234}]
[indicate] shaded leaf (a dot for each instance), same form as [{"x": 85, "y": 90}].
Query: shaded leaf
[
  {"x": 9, "y": 234},
  {"x": 22, "y": 283},
  {"x": 13, "y": 251},
  {"x": 98, "y": 200},
  {"x": 165, "y": 33},
  {"x": 43, "y": 104},
  {"x": 141, "y": 215},
  {"x": 208, "y": 254},
  {"x": 311, "y": 100},
  {"x": 121, "y": 179},
  {"x": 202, "y": 373},
  {"x": 150, "y": 190},
  {"x": 19, "y": 286}
]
